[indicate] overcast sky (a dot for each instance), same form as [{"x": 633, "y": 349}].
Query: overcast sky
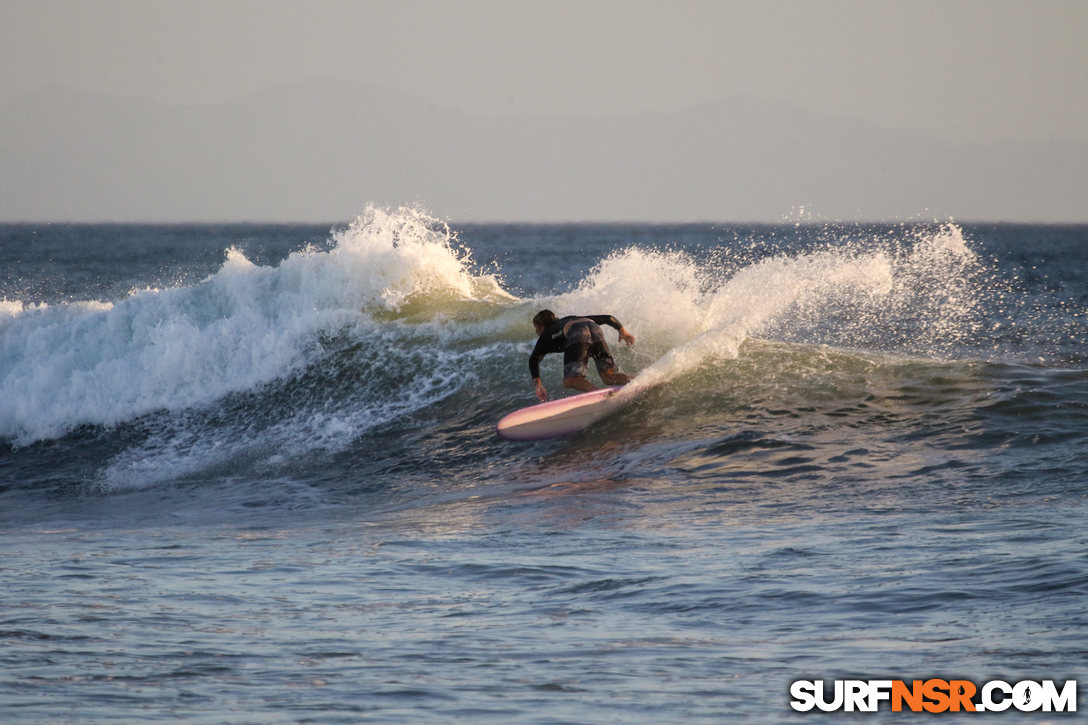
[
  {"x": 981, "y": 69},
  {"x": 954, "y": 70}
]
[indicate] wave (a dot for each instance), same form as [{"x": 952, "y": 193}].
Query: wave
[
  {"x": 918, "y": 296},
  {"x": 172, "y": 349},
  {"x": 392, "y": 332}
]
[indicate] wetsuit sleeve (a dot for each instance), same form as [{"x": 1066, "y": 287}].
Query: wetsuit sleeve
[
  {"x": 607, "y": 320},
  {"x": 537, "y": 355}
]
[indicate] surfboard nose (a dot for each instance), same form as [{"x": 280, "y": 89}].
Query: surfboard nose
[{"x": 557, "y": 418}]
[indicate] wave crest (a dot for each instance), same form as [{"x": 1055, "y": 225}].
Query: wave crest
[{"x": 63, "y": 366}]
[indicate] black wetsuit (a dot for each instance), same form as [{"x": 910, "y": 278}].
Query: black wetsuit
[{"x": 577, "y": 338}]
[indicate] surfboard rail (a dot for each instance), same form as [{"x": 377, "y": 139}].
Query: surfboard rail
[{"x": 561, "y": 417}]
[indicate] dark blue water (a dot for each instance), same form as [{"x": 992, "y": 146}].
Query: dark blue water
[{"x": 250, "y": 474}]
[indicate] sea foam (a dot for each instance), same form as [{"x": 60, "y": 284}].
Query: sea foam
[
  {"x": 914, "y": 295},
  {"x": 67, "y": 365}
]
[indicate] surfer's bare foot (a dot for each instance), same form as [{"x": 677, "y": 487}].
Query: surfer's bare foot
[
  {"x": 579, "y": 382},
  {"x": 615, "y": 378}
]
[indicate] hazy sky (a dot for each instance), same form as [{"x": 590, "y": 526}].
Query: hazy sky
[
  {"x": 590, "y": 109},
  {"x": 957, "y": 69}
]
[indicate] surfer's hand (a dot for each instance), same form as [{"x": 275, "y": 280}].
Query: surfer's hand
[
  {"x": 541, "y": 393},
  {"x": 627, "y": 337}
]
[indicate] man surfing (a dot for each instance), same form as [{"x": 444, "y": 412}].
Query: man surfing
[{"x": 577, "y": 338}]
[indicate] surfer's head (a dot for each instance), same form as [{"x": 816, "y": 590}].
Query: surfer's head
[{"x": 543, "y": 320}]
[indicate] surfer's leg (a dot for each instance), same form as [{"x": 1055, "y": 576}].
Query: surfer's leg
[
  {"x": 606, "y": 365},
  {"x": 575, "y": 357}
]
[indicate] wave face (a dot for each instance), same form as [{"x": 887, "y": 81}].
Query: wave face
[
  {"x": 258, "y": 466},
  {"x": 106, "y": 363},
  {"x": 394, "y": 343}
]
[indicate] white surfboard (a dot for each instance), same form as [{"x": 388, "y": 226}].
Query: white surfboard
[{"x": 561, "y": 417}]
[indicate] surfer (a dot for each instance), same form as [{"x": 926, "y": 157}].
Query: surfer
[{"x": 577, "y": 338}]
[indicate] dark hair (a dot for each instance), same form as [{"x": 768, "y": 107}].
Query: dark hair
[{"x": 545, "y": 318}]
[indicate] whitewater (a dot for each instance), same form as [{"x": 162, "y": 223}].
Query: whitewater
[
  {"x": 250, "y": 473},
  {"x": 106, "y": 362}
]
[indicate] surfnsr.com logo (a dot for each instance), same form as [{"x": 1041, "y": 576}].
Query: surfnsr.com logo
[{"x": 933, "y": 695}]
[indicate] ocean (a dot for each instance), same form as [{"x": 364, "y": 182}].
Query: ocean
[{"x": 250, "y": 474}]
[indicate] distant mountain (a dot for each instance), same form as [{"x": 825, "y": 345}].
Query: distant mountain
[{"x": 321, "y": 151}]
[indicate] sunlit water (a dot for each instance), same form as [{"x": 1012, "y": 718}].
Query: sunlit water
[{"x": 250, "y": 474}]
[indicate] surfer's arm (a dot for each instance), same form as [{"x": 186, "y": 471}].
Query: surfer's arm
[
  {"x": 613, "y": 322},
  {"x": 536, "y": 356},
  {"x": 607, "y": 320}
]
